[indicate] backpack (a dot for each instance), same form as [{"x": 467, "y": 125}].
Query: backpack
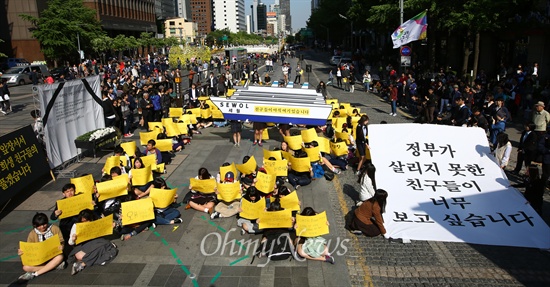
[
  {"x": 155, "y": 99},
  {"x": 277, "y": 246},
  {"x": 318, "y": 171}
]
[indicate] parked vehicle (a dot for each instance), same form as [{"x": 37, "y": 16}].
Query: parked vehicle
[
  {"x": 19, "y": 75},
  {"x": 57, "y": 72},
  {"x": 334, "y": 60}
]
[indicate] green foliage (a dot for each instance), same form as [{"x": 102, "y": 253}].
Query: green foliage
[
  {"x": 290, "y": 39},
  {"x": 188, "y": 52},
  {"x": 58, "y": 25}
]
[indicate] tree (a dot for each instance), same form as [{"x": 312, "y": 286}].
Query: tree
[
  {"x": 60, "y": 24},
  {"x": 2, "y": 55}
]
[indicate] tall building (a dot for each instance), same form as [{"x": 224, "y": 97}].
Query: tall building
[
  {"x": 201, "y": 13},
  {"x": 183, "y": 9},
  {"x": 165, "y": 9},
  {"x": 281, "y": 24},
  {"x": 254, "y": 17},
  {"x": 261, "y": 17},
  {"x": 229, "y": 14},
  {"x": 284, "y": 9},
  {"x": 315, "y": 5},
  {"x": 181, "y": 29},
  {"x": 272, "y": 25},
  {"x": 248, "y": 24},
  {"x": 128, "y": 17}
]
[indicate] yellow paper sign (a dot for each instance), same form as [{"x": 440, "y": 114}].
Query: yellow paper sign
[
  {"x": 164, "y": 145},
  {"x": 276, "y": 154},
  {"x": 226, "y": 169},
  {"x": 206, "y": 113},
  {"x": 175, "y": 112},
  {"x": 203, "y": 185},
  {"x": 196, "y": 112},
  {"x": 338, "y": 123},
  {"x": 339, "y": 148},
  {"x": 149, "y": 160},
  {"x": 324, "y": 145},
  {"x": 71, "y": 206},
  {"x": 137, "y": 211},
  {"x": 141, "y": 176},
  {"x": 111, "y": 162},
  {"x": 311, "y": 226},
  {"x": 290, "y": 202},
  {"x": 294, "y": 142},
  {"x": 83, "y": 184},
  {"x": 162, "y": 197},
  {"x": 153, "y": 125},
  {"x": 248, "y": 167},
  {"x": 309, "y": 135},
  {"x": 36, "y": 253},
  {"x": 265, "y": 182},
  {"x": 94, "y": 229},
  {"x": 343, "y": 136},
  {"x": 217, "y": 114},
  {"x": 182, "y": 128},
  {"x": 158, "y": 167},
  {"x": 145, "y": 137},
  {"x": 286, "y": 155},
  {"x": 265, "y": 134},
  {"x": 112, "y": 188},
  {"x": 229, "y": 191},
  {"x": 189, "y": 118},
  {"x": 332, "y": 101},
  {"x": 301, "y": 164},
  {"x": 129, "y": 147},
  {"x": 171, "y": 129},
  {"x": 313, "y": 154},
  {"x": 252, "y": 210},
  {"x": 276, "y": 167},
  {"x": 276, "y": 219}
]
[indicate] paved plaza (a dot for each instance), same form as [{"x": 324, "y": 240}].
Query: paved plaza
[{"x": 204, "y": 252}]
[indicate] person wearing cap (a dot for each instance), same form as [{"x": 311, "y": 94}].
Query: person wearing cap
[
  {"x": 223, "y": 208},
  {"x": 541, "y": 118}
]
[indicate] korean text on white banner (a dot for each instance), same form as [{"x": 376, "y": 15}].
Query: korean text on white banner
[
  {"x": 69, "y": 109},
  {"x": 444, "y": 185}
]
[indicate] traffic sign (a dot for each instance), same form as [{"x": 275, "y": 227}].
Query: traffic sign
[
  {"x": 405, "y": 51},
  {"x": 405, "y": 61}
]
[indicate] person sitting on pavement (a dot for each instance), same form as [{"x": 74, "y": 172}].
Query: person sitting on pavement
[
  {"x": 65, "y": 224},
  {"x": 139, "y": 191},
  {"x": 169, "y": 214},
  {"x": 249, "y": 226},
  {"x": 296, "y": 178},
  {"x": 199, "y": 201},
  {"x": 42, "y": 230},
  {"x": 312, "y": 248},
  {"x": 368, "y": 184},
  {"x": 223, "y": 208},
  {"x": 98, "y": 251},
  {"x": 151, "y": 149}
]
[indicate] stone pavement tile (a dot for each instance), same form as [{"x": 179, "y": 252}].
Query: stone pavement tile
[
  {"x": 177, "y": 278},
  {"x": 109, "y": 268},
  {"x": 82, "y": 278},
  {"x": 126, "y": 279},
  {"x": 299, "y": 281},
  {"x": 282, "y": 282},
  {"x": 221, "y": 281},
  {"x": 158, "y": 280},
  {"x": 208, "y": 270},
  {"x": 165, "y": 269},
  {"x": 248, "y": 281},
  {"x": 7, "y": 278}
]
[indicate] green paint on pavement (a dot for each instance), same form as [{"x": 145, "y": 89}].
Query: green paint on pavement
[
  {"x": 8, "y": 258},
  {"x": 179, "y": 262},
  {"x": 214, "y": 224},
  {"x": 215, "y": 277},
  {"x": 173, "y": 253},
  {"x": 238, "y": 260},
  {"x": 240, "y": 244},
  {"x": 164, "y": 241},
  {"x": 156, "y": 233}
]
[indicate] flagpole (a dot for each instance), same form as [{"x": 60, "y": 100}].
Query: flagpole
[{"x": 400, "y": 69}]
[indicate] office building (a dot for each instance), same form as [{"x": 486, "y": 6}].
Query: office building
[{"x": 229, "y": 14}]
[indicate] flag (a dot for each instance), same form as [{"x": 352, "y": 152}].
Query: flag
[{"x": 412, "y": 30}]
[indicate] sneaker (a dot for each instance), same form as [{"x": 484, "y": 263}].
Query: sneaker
[
  {"x": 188, "y": 206},
  {"x": 243, "y": 232},
  {"x": 235, "y": 145},
  {"x": 260, "y": 144},
  {"x": 127, "y": 135},
  {"x": 358, "y": 203},
  {"x": 4, "y": 114},
  {"x": 358, "y": 232},
  {"x": 391, "y": 114},
  {"x": 27, "y": 276},
  {"x": 77, "y": 267},
  {"x": 358, "y": 172},
  {"x": 254, "y": 143},
  {"x": 178, "y": 220},
  {"x": 329, "y": 259},
  {"x": 395, "y": 114},
  {"x": 153, "y": 225},
  {"x": 337, "y": 171},
  {"x": 238, "y": 144},
  {"x": 215, "y": 215},
  {"x": 61, "y": 266}
]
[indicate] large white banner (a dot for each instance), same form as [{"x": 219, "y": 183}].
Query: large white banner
[
  {"x": 68, "y": 110},
  {"x": 444, "y": 185}
]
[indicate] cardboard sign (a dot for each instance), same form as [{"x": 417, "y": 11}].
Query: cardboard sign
[
  {"x": 275, "y": 154},
  {"x": 118, "y": 186},
  {"x": 265, "y": 134},
  {"x": 149, "y": 160},
  {"x": 324, "y": 145},
  {"x": 175, "y": 112},
  {"x": 339, "y": 148},
  {"x": 36, "y": 253},
  {"x": 162, "y": 197},
  {"x": 153, "y": 125},
  {"x": 111, "y": 162},
  {"x": 158, "y": 167},
  {"x": 265, "y": 182},
  {"x": 300, "y": 164},
  {"x": 164, "y": 145},
  {"x": 217, "y": 114},
  {"x": 188, "y": 119},
  {"x": 226, "y": 169},
  {"x": 309, "y": 135},
  {"x": 276, "y": 167},
  {"x": 311, "y": 226},
  {"x": 313, "y": 154},
  {"x": 286, "y": 155},
  {"x": 171, "y": 129},
  {"x": 290, "y": 202},
  {"x": 145, "y": 137},
  {"x": 276, "y": 219},
  {"x": 142, "y": 176},
  {"x": 196, "y": 112},
  {"x": 203, "y": 185},
  {"x": 343, "y": 136},
  {"x": 83, "y": 184},
  {"x": 182, "y": 128},
  {"x": 71, "y": 206},
  {"x": 248, "y": 167},
  {"x": 294, "y": 142},
  {"x": 137, "y": 211},
  {"x": 229, "y": 191},
  {"x": 129, "y": 148},
  {"x": 94, "y": 229},
  {"x": 252, "y": 210},
  {"x": 337, "y": 123},
  {"x": 206, "y": 113}
]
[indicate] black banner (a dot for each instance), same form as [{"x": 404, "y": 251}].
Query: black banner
[{"x": 22, "y": 161}]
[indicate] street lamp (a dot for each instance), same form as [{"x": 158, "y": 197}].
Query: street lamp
[{"x": 351, "y": 34}]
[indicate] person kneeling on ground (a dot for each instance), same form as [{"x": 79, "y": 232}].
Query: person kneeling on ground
[{"x": 367, "y": 219}]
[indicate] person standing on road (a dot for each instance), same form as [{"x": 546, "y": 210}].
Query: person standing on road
[
  {"x": 361, "y": 134},
  {"x": 393, "y": 99},
  {"x": 299, "y": 73},
  {"x": 339, "y": 77},
  {"x": 5, "y": 106},
  {"x": 541, "y": 118},
  {"x": 367, "y": 79}
]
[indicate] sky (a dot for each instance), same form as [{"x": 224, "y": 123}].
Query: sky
[{"x": 300, "y": 10}]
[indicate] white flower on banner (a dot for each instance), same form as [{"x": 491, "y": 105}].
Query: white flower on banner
[{"x": 101, "y": 133}]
